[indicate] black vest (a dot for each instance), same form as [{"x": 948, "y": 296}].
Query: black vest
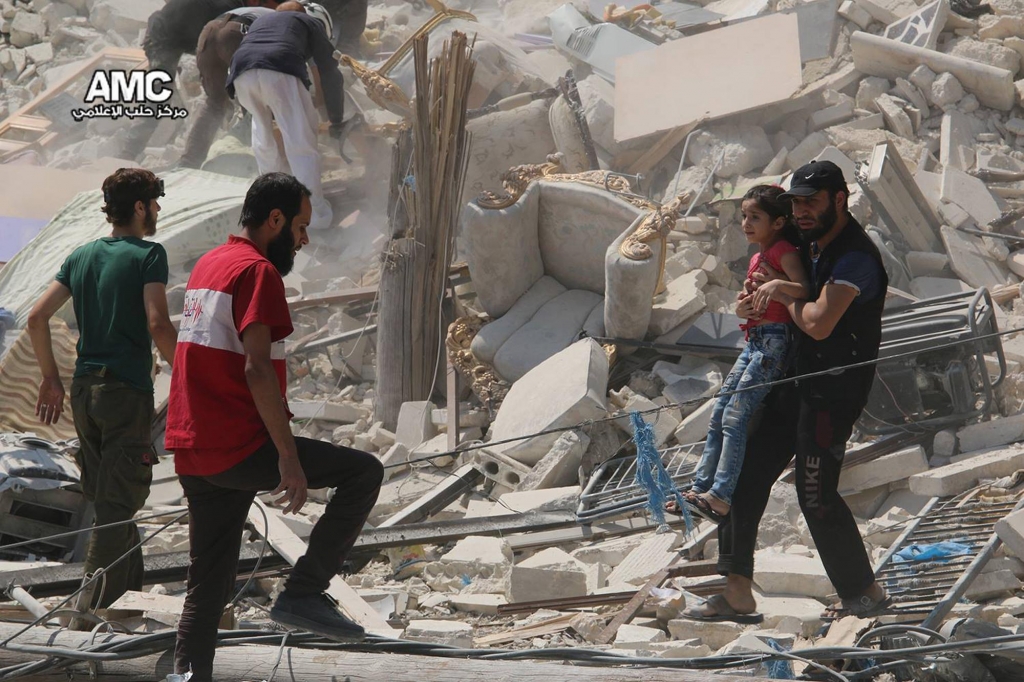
[{"x": 856, "y": 336}]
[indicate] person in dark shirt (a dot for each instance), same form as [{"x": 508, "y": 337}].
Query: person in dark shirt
[
  {"x": 171, "y": 32},
  {"x": 839, "y": 325},
  {"x": 217, "y": 45},
  {"x": 270, "y": 79},
  {"x": 117, "y": 288}
]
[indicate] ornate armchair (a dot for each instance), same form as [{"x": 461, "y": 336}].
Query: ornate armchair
[{"x": 551, "y": 258}]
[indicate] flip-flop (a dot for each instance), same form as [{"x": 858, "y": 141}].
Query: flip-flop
[
  {"x": 701, "y": 507},
  {"x": 723, "y": 612},
  {"x": 861, "y": 607},
  {"x": 672, "y": 508}
]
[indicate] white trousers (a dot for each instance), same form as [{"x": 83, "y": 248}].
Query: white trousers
[{"x": 274, "y": 96}]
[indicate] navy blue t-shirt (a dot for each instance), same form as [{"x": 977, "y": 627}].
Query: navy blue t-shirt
[{"x": 859, "y": 270}]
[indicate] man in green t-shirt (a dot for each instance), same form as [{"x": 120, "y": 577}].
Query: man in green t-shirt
[{"x": 117, "y": 286}]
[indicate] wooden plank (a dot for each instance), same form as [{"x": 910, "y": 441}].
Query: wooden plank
[
  {"x": 258, "y": 662},
  {"x": 634, "y": 605},
  {"x": 545, "y": 627},
  {"x": 286, "y": 543},
  {"x": 729, "y": 70},
  {"x": 333, "y": 298}
]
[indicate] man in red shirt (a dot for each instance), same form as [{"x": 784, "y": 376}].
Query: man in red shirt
[{"x": 228, "y": 426}]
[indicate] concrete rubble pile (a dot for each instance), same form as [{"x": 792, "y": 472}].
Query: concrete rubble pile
[{"x": 918, "y": 104}]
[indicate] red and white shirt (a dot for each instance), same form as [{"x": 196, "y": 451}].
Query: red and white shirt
[{"x": 212, "y": 420}]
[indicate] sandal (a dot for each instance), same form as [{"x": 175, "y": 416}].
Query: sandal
[
  {"x": 861, "y": 607},
  {"x": 721, "y": 611},
  {"x": 686, "y": 493},
  {"x": 702, "y": 507}
]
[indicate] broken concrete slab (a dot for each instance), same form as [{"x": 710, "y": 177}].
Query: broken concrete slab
[
  {"x": 682, "y": 299},
  {"x": 899, "y": 199},
  {"x": 549, "y": 574},
  {"x": 1010, "y": 530},
  {"x": 991, "y": 434},
  {"x": 415, "y": 426},
  {"x": 930, "y": 287},
  {"x": 855, "y": 13},
  {"x": 920, "y": 28},
  {"x": 956, "y": 142},
  {"x": 878, "y": 56},
  {"x": 550, "y": 499},
  {"x": 734, "y": 54},
  {"x": 787, "y": 574},
  {"x": 663, "y": 422},
  {"x": 479, "y": 604},
  {"x": 895, "y": 117},
  {"x": 888, "y": 11},
  {"x": 971, "y": 261},
  {"x": 449, "y": 632},
  {"x": 566, "y": 389},
  {"x": 741, "y": 149},
  {"x": 714, "y": 635},
  {"x": 946, "y": 91},
  {"x": 1002, "y": 583},
  {"x": 654, "y": 554},
  {"x": 560, "y": 467},
  {"x": 896, "y": 466},
  {"x": 966, "y": 470},
  {"x": 925, "y": 264},
  {"x": 477, "y": 556},
  {"x": 608, "y": 552},
  {"x": 637, "y": 637},
  {"x": 970, "y": 194},
  {"x": 776, "y": 610},
  {"x": 984, "y": 52}
]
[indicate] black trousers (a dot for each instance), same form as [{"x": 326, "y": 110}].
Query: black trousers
[
  {"x": 218, "y": 507},
  {"x": 816, "y": 436}
]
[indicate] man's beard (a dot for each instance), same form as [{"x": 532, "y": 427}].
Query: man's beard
[
  {"x": 149, "y": 222},
  {"x": 826, "y": 221},
  {"x": 279, "y": 251}
]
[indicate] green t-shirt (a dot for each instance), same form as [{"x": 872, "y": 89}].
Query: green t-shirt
[{"x": 106, "y": 278}]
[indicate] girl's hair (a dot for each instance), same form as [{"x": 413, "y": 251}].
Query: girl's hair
[{"x": 770, "y": 200}]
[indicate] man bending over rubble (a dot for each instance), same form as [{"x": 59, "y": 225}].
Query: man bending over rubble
[
  {"x": 840, "y": 324},
  {"x": 228, "y": 426},
  {"x": 172, "y": 31},
  {"x": 117, "y": 288}
]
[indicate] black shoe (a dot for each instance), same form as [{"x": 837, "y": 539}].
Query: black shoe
[{"x": 316, "y": 613}]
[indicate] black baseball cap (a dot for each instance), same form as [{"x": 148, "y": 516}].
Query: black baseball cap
[{"x": 815, "y": 176}]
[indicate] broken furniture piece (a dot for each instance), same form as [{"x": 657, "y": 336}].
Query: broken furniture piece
[{"x": 558, "y": 257}]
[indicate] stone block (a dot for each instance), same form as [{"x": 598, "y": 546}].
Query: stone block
[
  {"x": 689, "y": 648},
  {"x": 608, "y": 552},
  {"x": 830, "y": 116},
  {"x": 654, "y": 554},
  {"x": 966, "y": 470},
  {"x": 970, "y": 194},
  {"x": 776, "y": 610},
  {"x": 501, "y": 468},
  {"x": 869, "y": 90},
  {"x": 27, "y": 28},
  {"x": 414, "y": 424},
  {"x": 339, "y": 413},
  {"x": 566, "y": 389},
  {"x": 381, "y": 438},
  {"x": 944, "y": 443},
  {"x": 956, "y": 141},
  {"x": 682, "y": 299},
  {"x": 694, "y": 428},
  {"x": 984, "y": 52},
  {"x": 930, "y": 287},
  {"x": 896, "y": 466},
  {"x": 40, "y": 54},
  {"x": 1001, "y": 583},
  {"x": 476, "y": 556},
  {"x": 895, "y": 117},
  {"x": 550, "y": 499},
  {"x": 637, "y": 637},
  {"x": 450, "y": 632},
  {"x": 1010, "y": 530},
  {"x": 855, "y": 13},
  {"x": 560, "y": 467},
  {"x": 786, "y": 574},
  {"x": 946, "y": 90},
  {"x": 991, "y": 434},
  {"x": 396, "y": 455},
  {"x": 807, "y": 150},
  {"x": 549, "y": 574},
  {"x": 742, "y": 148},
  {"x": 865, "y": 504},
  {"x": 479, "y": 604},
  {"x": 435, "y": 446},
  {"x": 971, "y": 261},
  {"x": 925, "y": 264},
  {"x": 714, "y": 635},
  {"x": 904, "y": 501}
]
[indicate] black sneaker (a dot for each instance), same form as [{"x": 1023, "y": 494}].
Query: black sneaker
[{"x": 317, "y": 613}]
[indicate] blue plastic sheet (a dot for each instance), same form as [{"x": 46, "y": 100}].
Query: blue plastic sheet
[{"x": 938, "y": 551}]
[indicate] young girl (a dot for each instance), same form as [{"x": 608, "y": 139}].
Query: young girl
[{"x": 767, "y": 223}]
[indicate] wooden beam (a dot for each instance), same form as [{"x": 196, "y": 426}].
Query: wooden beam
[
  {"x": 252, "y": 662},
  {"x": 286, "y": 543}
]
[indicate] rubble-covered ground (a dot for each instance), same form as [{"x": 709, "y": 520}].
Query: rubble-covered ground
[{"x": 934, "y": 81}]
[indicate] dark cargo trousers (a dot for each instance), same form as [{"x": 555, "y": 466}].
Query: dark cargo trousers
[
  {"x": 817, "y": 436},
  {"x": 218, "y": 507},
  {"x": 114, "y": 424}
]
